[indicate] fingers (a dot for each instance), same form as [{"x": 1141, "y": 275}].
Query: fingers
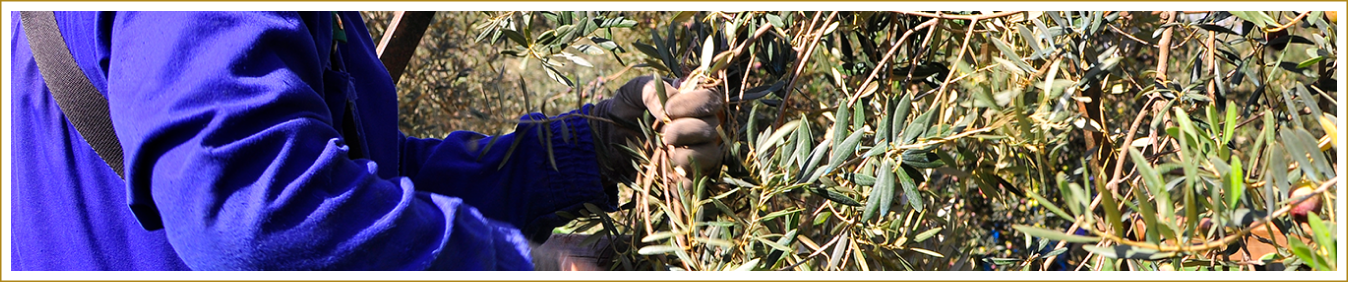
[
  {"x": 705, "y": 158},
  {"x": 651, "y": 97},
  {"x": 696, "y": 103},
  {"x": 691, "y": 131},
  {"x": 691, "y": 123}
]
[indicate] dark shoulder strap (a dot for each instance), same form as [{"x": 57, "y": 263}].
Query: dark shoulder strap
[{"x": 77, "y": 97}]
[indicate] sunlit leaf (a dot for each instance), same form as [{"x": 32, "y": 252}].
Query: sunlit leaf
[
  {"x": 617, "y": 22},
  {"x": 927, "y": 252},
  {"x": 778, "y": 135},
  {"x": 1235, "y": 187},
  {"x": 576, "y": 59},
  {"x": 774, "y": 20},
  {"x": 558, "y": 76},
  {"x": 657, "y": 236},
  {"x": 1304, "y": 252},
  {"x": 1028, "y": 36},
  {"x": 747, "y": 266},
  {"x": 1324, "y": 236},
  {"x": 708, "y": 51},
  {"x": 657, "y": 249},
  {"x": 1331, "y": 130},
  {"x": 838, "y": 249},
  {"x": 774, "y": 245},
  {"x": 715, "y": 242},
  {"x": 926, "y": 235},
  {"x": 1011, "y": 55},
  {"x": 1250, "y": 18},
  {"x": 606, "y": 44},
  {"x": 777, "y": 214}
]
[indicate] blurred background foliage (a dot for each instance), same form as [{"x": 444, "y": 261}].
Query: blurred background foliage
[{"x": 935, "y": 140}]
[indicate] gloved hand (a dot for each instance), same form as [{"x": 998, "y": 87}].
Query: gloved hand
[{"x": 690, "y": 120}]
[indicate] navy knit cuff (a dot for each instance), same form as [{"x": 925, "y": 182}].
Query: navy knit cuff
[{"x": 576, "y": 179}]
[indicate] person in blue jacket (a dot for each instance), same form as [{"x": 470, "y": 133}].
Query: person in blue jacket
[{"x": 240, "y": 155}]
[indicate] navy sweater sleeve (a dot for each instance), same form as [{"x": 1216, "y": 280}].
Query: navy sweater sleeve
[
  {"x": 224, "y": 125},
  {"x": 515, "y": 177}
]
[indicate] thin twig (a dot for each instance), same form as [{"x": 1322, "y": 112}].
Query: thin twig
[
  {"x": 1289, "y": 24},
  {"x": 646, "y": 189},
  {"x": 1122, "y": 159},
  {"x": 963, "y": 49},
  {"x": 1129, "y": 36},
  {"x": 885, "y": 60},
  {"x": 817, "y": 252},
  {"x": 1256, "y": 116},
  {"x": 1192, "y": 33},
  {"x": 809, "y": 28},
  {"x": 1163, "y": 55},
  {"x": 747, "y": 70},
  {"x": 935, "y": 141},
  {"x": 800, "y": 66},
  {"x": 757, "y": 33},
  {"x": 963, "y": 76}
]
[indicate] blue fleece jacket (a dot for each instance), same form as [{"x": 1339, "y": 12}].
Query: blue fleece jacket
[{"x": 235, "y": 157}]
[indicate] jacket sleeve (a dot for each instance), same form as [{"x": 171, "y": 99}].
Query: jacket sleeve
[
  {"x": 223, "y": 125},
  {"x": 524, "y": 178}
]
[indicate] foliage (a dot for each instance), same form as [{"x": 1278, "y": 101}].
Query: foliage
[{"x": 964, "y": 141}]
